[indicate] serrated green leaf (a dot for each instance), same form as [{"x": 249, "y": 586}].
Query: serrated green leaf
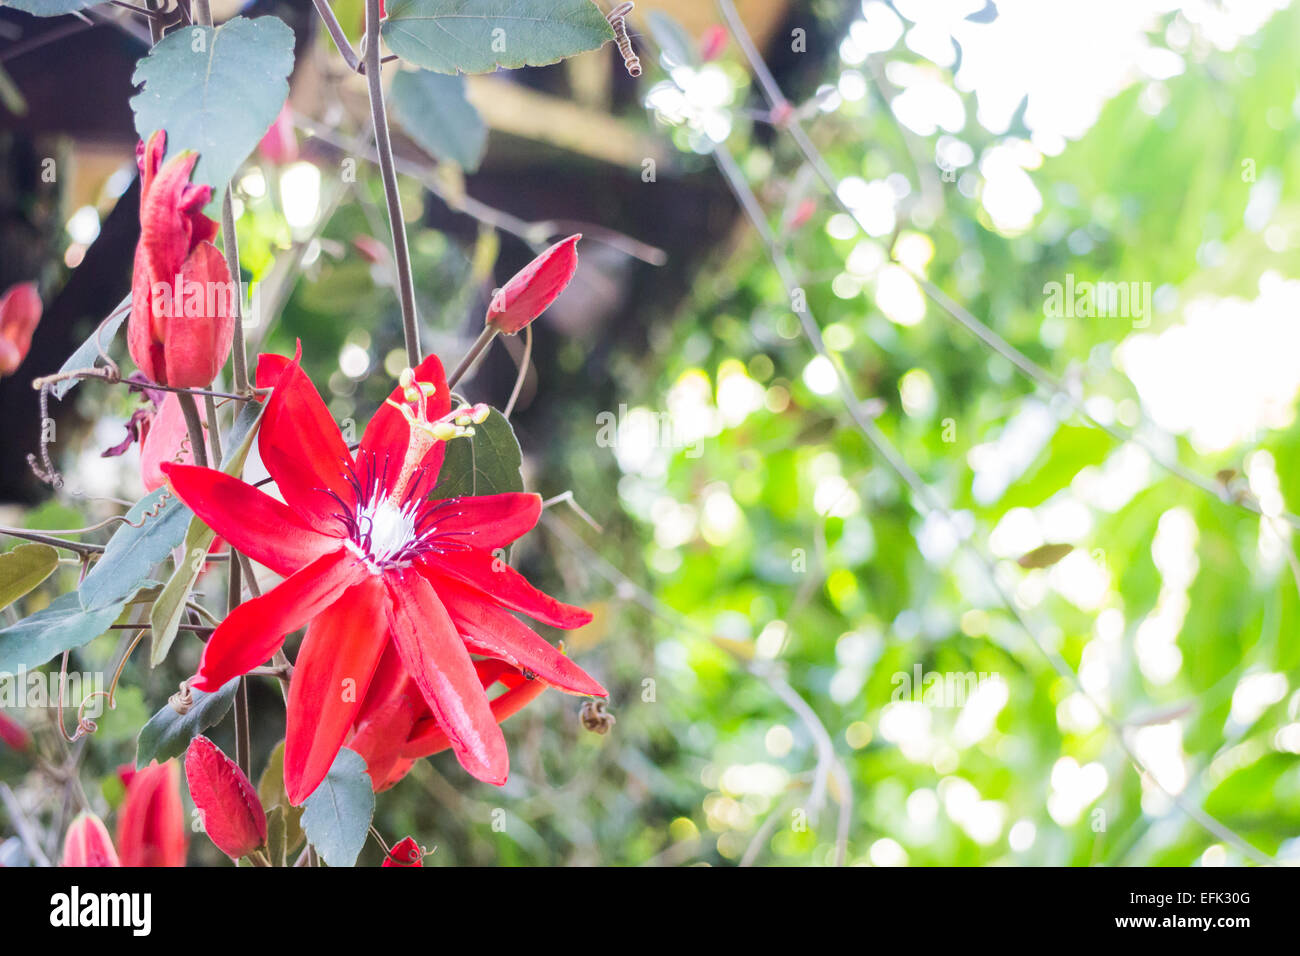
[
  {"x": 336, "y": 817},
  {"x": 155, "y": 525},
  {"x": 486, "y": 463},
  {"x": 63, "y": 625},
  {"x": 165, "y": 616},
  {"x": 168, "y": 733},
  {"x": 434, "y": 111},
  {"x": 23, "y": 568},
  {"x": 215, "y": 90},
  {"x": 478, "y": 36}
]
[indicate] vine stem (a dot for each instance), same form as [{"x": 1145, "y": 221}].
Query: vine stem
[
  {"x": 523, "y": 370},
  {"x": 194, "y": 424},
  {"x": 480, "y": 344},
  {"x": 384, "y": 149}
]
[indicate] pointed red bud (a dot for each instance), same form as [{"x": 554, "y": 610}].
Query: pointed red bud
[
  {"x": 232, "y": 814},
  {"x": 534, "y": 287},
  {"x": 405, "y": 853},
  {"x": 88, "y": 843},
  {"x": 151, "y": 824}
]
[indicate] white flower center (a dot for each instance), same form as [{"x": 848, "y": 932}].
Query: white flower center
[{"x": 391, "y": 529}]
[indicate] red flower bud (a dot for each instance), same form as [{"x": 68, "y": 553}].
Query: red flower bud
[
  {"x": 713, "y": 42},
  {"x": 232, "y": 814},
  {"x": 534, "y": 287},
  {"x": 280, "y": 145},
  {"x": 182, "y": 299},
  {"x": 151, "y": 824},
  {"x": 14, "y": 733},
  {"x": 405, "y": 853},
  {"x": 20, "y": 311},
  {"x": 88, "y": 843}
]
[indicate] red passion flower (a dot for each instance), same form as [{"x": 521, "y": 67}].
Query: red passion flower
[{"x": 371, "y": 565}]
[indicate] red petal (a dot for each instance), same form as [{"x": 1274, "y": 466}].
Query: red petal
[
  {"x": 88, "y": 843},
  {"x": 254, "y": 630},
  {"x": 300, "y": 444},
  {"x": 488, "y": 521},
  {"x": 531, "y": 291},
  {"x": 427, "y": 738},
  {"x": 266, "y": 530},
  {"x": 435, "y": 657},
  {"x": 198, "y": 333},
  {"x": 503, "y": 584},
  {"x": 167, "y": 215},
  {"x": 381, "y": 733},
  {"x": 145, "y": 347},
  {"x": 330, "y": 678},
  {"x": 388, "y": 433},
  {"x": 495, "y": 633},
  {"x": 233, "y": 817}
]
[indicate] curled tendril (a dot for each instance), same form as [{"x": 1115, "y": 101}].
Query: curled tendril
[
  {"x": 183, "y": 699},
  {"x": 154, "y": 511}
]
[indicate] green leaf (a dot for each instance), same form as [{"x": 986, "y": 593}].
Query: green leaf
[
  {"x": 23, "y": 568},
  {"x": 215, "y": 90},
  {"x": 168, "y": 733},
  {"x": 336, "y": 817},
  {"x": 155, "y": 525},
  {"x": 167, "y": 612},
  {"x": 270, "y": 790},
  {"x": 89, "y": 351},
  {"x": 51, "y": 8},
  {"x": 486, "y": 463},
  {"x": 63, "y": 625},
  {"x": 478, "y": 36},
  {"x": 434, "y": 111},
  {"x": 276, "y": 847}
]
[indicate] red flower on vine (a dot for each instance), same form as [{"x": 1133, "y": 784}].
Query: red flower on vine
[
  {"x": 182, "y": 300},
  {"x": 373, "y": 565}
]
